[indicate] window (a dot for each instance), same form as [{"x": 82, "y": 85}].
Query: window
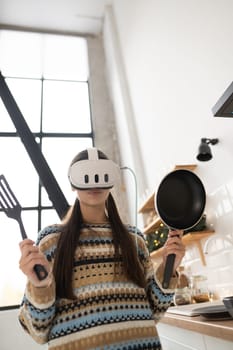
[{"x": 48, "y": 78}]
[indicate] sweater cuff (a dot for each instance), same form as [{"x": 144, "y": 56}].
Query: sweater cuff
[
  {"x": 41, "y": 297},
  {"x": 159, "y": 278}
]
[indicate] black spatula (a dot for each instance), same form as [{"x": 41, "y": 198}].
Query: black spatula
[{"x": 12, "y": 209}]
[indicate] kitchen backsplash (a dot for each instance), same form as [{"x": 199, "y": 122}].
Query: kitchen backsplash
[{"x": 218, "y": 248}]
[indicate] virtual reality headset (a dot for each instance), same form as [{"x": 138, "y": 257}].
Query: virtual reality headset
[{"x": 93, "y": 172}]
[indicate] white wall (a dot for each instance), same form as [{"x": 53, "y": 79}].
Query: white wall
[{"x": 168, "y": 64}]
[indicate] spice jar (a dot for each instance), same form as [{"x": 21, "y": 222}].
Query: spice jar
[
  {"x": 199, "y": 288},
  {"x": 182, "y": 294}
]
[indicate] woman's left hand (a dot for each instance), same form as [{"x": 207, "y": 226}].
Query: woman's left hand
[{"x": 174, "y": 245}]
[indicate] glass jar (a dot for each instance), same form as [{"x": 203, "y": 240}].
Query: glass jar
[
  {"x": 182, "y": 296},
  {"x": 199, "y": 289},
  {"x": 183, "y": 280}
]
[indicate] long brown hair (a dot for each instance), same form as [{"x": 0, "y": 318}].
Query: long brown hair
[{"x": 70, "y": 231}]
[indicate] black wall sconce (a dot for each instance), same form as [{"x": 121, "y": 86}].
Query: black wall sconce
[{"x": 204, "y": 151}]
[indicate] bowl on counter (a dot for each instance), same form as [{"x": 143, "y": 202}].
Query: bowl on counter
[{"x": 228, "y": 302}]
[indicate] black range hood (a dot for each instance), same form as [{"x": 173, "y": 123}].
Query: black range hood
[{"x": 224, "y": 106}]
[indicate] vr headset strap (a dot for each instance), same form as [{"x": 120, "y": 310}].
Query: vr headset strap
[{"x": 92, "y": 154}]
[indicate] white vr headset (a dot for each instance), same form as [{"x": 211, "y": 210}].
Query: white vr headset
[{"x": 93, "y": 172}]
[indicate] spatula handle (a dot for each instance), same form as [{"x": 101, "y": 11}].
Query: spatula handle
[
  {"x": 22, "y": 229},
  {"x": 40, "y": 271}
]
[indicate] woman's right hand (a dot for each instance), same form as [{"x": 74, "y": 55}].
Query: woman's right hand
[{"x": 31, "y": 256}]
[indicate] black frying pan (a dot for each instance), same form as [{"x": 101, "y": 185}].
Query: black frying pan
[{"x": 180, "y": 203}]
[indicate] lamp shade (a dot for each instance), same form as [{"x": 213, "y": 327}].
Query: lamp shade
[{"x": 204, "y": 152}]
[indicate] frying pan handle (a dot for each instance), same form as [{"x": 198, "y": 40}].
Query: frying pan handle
[
  {"x": 168, "y": 270},
  {"x": 40, "y": 271}
]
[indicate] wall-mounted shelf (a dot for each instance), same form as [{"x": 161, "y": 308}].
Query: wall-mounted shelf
[
  {"x": 189, "y": 239},
  {"x": 152, "y": 226},
  {"x": 148, "y": 204},
  {"x": 190, "y": 167}
]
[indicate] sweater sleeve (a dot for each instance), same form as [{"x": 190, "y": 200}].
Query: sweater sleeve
[
  {"x": 159, "y": 298},
  {"x": 37, "y": 309}
]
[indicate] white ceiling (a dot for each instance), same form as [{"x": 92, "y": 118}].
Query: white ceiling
[{"x": 72, "y": 16}]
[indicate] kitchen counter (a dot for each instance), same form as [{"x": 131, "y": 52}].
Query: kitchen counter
[{"x": 218, "y": 329}]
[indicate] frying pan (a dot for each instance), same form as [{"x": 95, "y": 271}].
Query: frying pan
[{"x": 180, "y": 203}]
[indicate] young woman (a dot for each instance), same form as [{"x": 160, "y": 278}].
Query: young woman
[{"x": 101, "y": 291}]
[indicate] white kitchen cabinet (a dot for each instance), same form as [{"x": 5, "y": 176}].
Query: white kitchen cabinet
[{"x": 176, "y": 338}]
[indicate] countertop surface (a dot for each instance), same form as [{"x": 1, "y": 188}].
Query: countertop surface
[{"x": 215, "y": 328}]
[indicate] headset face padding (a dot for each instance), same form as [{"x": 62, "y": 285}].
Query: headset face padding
[{"x": 93, "y": 172}]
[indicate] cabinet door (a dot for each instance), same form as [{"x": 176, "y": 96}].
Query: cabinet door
[
  {"x": 217, "y": 344},
  {"x": 174, "y": 338}
]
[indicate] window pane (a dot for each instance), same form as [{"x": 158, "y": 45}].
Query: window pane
[
  {"x": 49, "y": 217},
  {"x": 30, "y": 220},
  {"x": 59, "y": 161},
  {"x": 57, "y": 66},
  {"x": 66, "y": 107},
  {"x": 20, "y": 54},
  {"x": 6, "y": 124},
  {"x": 11, "y": 289},
  {"x": 16, "y": 165},
  {"x": 65, "y": 58},
  {"x": 29, "y": 101}
]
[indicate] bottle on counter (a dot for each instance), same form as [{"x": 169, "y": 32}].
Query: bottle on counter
[
  {"x": 182, "y": 294},
  {"x": 199, "y": 288}
]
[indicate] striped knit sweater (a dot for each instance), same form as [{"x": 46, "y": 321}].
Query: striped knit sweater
[{"x": 109, "y": 312}]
